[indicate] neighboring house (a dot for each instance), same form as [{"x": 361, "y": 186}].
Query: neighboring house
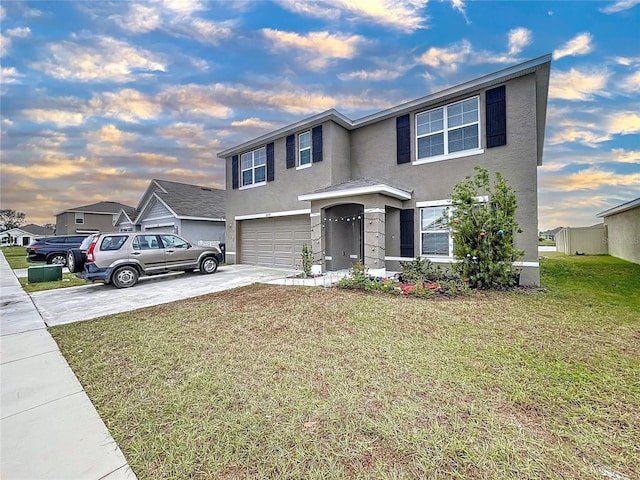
[
  {"x": 623, "y": 230},
  {"x": 126, "y": 220},
  {"x": 582, "y": 240},
  {"x": 97, "y": 217},
  {"x": 550, "y": 234},
  {"x": 24, "y": 235},
  {"x": 195, "y": 212},
  {"x": 373, "y": 189}
]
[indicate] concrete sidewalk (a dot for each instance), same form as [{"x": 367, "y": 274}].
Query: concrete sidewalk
[{"x": 49, "y": 429}]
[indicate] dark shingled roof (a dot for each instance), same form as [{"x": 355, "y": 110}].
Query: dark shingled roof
[
  {"x": 192, "y": 200},
  {"x": 36, "y": 229},
  {"x": 103, "y": 207}
]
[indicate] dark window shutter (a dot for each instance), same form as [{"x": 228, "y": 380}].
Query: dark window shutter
[
  {"x": 270, "y": 163},
  {"x": 406, "y": 233},
  {"x": 291, "y": 151},
  {"x": 496, "y": 111},
  {"x": 234, "y": 171},
  {"x": 316, "y": 143},
  {"x": 403, "y": 140}
]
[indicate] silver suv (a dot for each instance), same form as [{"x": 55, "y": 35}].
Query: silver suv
[{"x": 121, "y": 258}]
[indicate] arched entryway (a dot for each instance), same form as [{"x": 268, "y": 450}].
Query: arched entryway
[{"x": 344, "y": 235}]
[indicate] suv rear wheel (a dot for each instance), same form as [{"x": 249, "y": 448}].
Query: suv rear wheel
[
  {"x": 75, "y": 262},
  {"x": 208, "y": 265},
  {"x": 125, "y": 277}
]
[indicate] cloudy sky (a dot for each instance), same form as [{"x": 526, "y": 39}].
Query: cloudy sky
[{"x": 99, "y": 97}]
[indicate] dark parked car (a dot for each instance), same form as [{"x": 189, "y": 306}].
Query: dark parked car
[
  {"x": 121, "y": 258},
  {"x": 53, "y": 249}
]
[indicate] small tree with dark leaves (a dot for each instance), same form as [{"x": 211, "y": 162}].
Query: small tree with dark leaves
[{"x": 483, "y": 231}]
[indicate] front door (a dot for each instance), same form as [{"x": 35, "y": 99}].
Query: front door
[{"x": 344, "y": 236}]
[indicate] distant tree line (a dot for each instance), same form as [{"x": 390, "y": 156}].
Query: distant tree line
[{"x": 11, "y": 219}]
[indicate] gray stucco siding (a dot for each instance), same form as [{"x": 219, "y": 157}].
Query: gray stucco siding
[
  {"x": 282, "y": 193},
  {"x": 624, "y": 234},
  {"x": 337, "y": 145},
  {"x": 374, "y": 156},
  {"x": 65, "y": 223}
]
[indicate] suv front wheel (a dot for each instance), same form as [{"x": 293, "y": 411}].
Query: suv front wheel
[
  {"x": 125, "y": 277},
  {"x": 208, "y": 265},
  {"x": 57, "y": 259}
]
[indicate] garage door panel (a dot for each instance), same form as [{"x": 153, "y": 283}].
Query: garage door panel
[
  {"x": 283, "y": 235},
  {"x": 274, "y": 241}
]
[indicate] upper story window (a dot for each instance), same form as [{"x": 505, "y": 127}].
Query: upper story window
[
  {"x": 308, "y": 149},
  {"x": 304, "y": 148},
  {"x": 79, "y": 218},
  {"x": 451, "y": 130},
  {"x": 254, "y": 167}
]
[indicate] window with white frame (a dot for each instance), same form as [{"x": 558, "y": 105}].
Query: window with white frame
[
  {"x": 304, "y": 148},
  {"x": 79, "y": 218},
  {"x": 449, "y": 129},
  {"x": 254, "y": 167},
  {"x": 434, "y": 231}
]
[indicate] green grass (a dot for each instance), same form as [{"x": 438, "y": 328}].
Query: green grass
[
  {"x": 293, "y": 382},
  {"x": 16, "y": 257},
  {"x": 547, "y": 243},
  {"x": 68, "y": 280}
]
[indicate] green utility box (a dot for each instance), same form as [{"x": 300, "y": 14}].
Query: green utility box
[{"x": 44, "y": 273}]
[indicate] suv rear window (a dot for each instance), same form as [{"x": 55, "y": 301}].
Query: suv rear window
[
  {"x": 113, "y": 242},
  {"x": 86, "y": 242}
]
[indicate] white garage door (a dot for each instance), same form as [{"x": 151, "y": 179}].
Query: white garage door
[
  {"x": 274, "y": 242},
  {"x": 159, "y": 229}
]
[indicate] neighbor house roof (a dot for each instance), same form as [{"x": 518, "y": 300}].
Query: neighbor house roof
[
  {"x": 187, "y": 201},
  {"x": 33, "y": 229},
  {"x": 36, "y": 229},
  {"x": 101, "y": 207},
  {"x": 620, "y": 208},
  {"x": 127, "y": 216},
  {"x": 540, "y": 66}
]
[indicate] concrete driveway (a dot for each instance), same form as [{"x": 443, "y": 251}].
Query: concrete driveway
[{"x": 73, "y": 304}]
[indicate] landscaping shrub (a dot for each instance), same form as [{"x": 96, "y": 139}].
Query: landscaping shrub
[
  {"x": 418, "y": 279},
  {"x": 421, "y": 270},
  {"x": 307, "y": 259}
]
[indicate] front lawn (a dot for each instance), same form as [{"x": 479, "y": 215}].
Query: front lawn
[
  {"x": 68, "y": 280},
  {"x": 294, "y": 382},
  {"x": 16, "y": 257}
]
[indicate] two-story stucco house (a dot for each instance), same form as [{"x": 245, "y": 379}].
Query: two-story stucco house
[
  {"x": 97, "y": 217},
  {"x": 372, "y": 189}
]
